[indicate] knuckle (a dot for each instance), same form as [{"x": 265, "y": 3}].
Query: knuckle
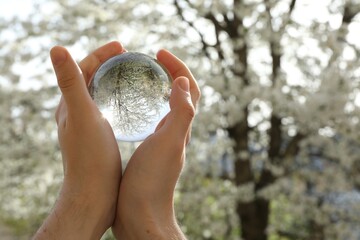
[
  {"x": 60, "y": 113},
  {"x": 65, "y": 82},
  {"x": 189, "y": 110},
  {"x": 188, "y": 137},
  {"x": 197, "y": 93},
  {"x": 57, "y": 113}
]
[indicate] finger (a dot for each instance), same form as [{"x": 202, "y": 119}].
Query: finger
[
  {"x": 89, "y": 64},
  {"x": 70, "y": 79},
  {"x": 178, "y": 68},
  {"x": 182, "y": 112}
]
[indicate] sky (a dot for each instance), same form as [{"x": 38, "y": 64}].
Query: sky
[{"x": 11, "y": 8}]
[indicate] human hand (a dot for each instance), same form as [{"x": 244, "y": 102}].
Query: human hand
[
  {"x": 91, "y": 159},
  {"x": 145, "y": 205}
]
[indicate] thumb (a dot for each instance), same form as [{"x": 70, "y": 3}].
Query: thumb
[
  {"x": 69, "y": 77},
  {"x": 182, "y": 110}
]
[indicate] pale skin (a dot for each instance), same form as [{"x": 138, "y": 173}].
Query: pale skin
[{"x": 94, "y": 195}]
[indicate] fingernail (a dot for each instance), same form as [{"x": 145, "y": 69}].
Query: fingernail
[
  {"x": 184, "y": 84},
  {"x": 58, "y": 56}
]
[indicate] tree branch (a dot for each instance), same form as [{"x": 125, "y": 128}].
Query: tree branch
[
  {"x": 350, "y": 12},
  {"x": 275, "y": 132},
  {"x": 293, "y": 146},
  {"x": 205, "y": 45},
  {"x": 218, "y": 28}
]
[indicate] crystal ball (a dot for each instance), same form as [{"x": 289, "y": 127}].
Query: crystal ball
[{"x": 132, "y": 92}]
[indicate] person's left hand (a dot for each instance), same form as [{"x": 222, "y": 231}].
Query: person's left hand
[
  {"x": 145, "y": 207},
  {"x": 86, "y": 206}
]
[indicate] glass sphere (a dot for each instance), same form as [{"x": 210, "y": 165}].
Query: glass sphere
[{"x": 132, "y": 92}]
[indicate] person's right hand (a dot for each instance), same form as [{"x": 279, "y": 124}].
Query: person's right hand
[
  {"x": 86, "y": 206},
  {"x": 145, "y": 205}
]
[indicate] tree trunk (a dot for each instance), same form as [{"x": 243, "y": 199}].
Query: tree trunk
[{"x": 253, "y": 215}]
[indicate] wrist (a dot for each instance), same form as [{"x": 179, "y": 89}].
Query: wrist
[
  {"x": 148, "y": 230},
  {"x": 76, "y": 217},
  {"x": 145, "y": 223}
]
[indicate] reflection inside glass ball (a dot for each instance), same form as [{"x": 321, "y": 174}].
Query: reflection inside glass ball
[{"x": 132, "y": 92}]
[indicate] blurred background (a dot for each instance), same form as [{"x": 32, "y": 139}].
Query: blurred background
[{"x": 275, "y": 151}]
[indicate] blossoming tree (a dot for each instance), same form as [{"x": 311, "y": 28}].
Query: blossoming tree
[{"x": 275, "y": 149}]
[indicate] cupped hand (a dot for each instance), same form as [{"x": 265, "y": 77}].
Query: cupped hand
[
  {"x": 91, "y": 159},
  {"x": 145, "y": 205}
]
